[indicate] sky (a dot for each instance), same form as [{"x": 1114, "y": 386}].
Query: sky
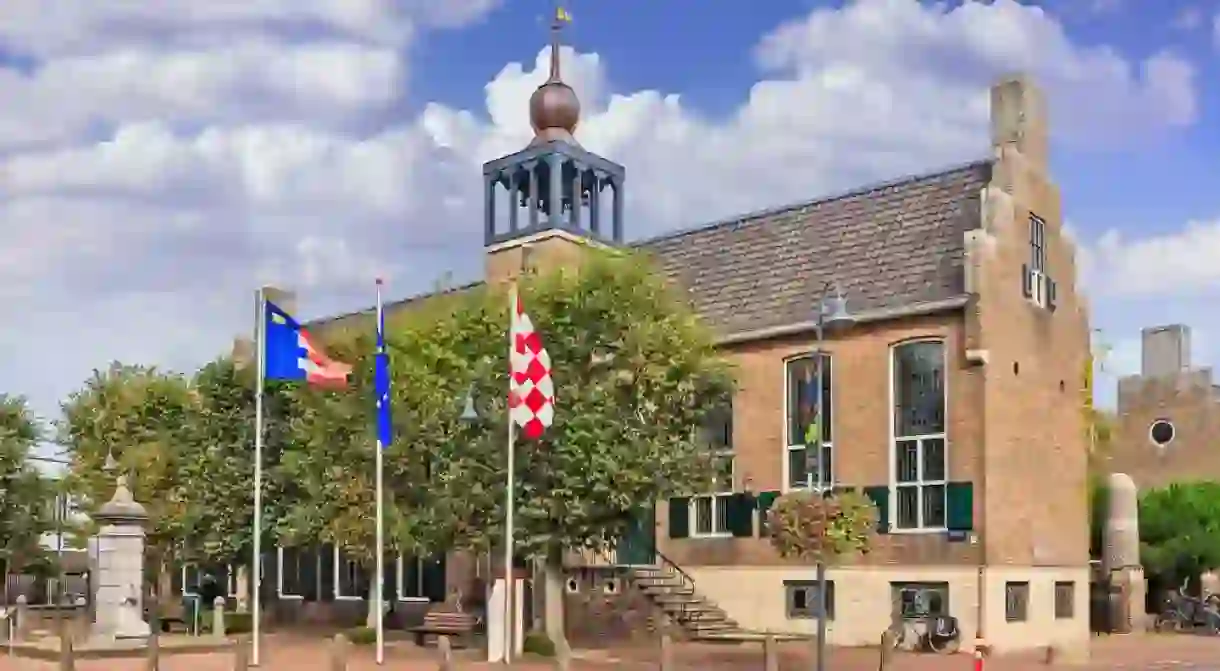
[{"x": 158, "y": 161}]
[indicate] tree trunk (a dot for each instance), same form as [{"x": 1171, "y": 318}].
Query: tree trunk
[
  {"x": 553, "y": 595},
  {"x": 375, "y": 602}
]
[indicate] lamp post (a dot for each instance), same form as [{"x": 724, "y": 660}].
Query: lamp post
[
  {"x": 470, "y": 415},
  {"x": 832, "y": 315}
]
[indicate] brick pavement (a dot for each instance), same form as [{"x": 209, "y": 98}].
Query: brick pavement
[{"x": 282, "y": 653}]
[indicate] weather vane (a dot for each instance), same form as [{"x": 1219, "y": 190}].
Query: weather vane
[{"x": 560, "y": 17}]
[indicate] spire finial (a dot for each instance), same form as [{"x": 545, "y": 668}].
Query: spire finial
[
  {"x": 557, "y": 22},
  {"x": 554, "y": 108}
]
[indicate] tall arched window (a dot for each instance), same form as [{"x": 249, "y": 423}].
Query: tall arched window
[{"x": 918, "y": 456}]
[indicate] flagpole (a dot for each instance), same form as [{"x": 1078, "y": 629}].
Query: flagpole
[
  {"x": 510, "y": 642},
  {"x": 260, "y": 357},
  {"x": 380, "y": 542}
]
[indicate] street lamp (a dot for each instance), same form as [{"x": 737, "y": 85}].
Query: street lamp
[
  {"x": 469, "y": 414},
  {"x": 832, "y": 315}
]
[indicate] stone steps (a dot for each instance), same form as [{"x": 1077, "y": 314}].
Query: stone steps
[{"x": 698, "y": 617}]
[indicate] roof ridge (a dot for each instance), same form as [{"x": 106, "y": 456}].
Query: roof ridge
[
  {"x": 770, "y": 211},
  {"x": 386, "y": 307}
]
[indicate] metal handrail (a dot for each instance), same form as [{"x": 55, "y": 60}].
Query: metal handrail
[{"x": 670, "y": 566}]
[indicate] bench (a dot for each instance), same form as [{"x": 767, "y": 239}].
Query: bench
[{"x": 458, "y": 627}]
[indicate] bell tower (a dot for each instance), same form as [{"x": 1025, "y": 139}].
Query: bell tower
[{"x": 553, "y": 195}]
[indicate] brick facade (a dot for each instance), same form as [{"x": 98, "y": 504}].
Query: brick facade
[{"x": 1167, "y": 389}]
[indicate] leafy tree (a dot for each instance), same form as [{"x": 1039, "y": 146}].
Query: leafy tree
[
  {"x": 25, "y": 495},
  {"x": 137, "y": 416},
  {"x": 821, "y": 529},
  {"x": 635, "y": 372},
  {"x": 1180, "y": 530}
]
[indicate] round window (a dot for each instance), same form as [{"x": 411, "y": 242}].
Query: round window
[{"x": 1161, "y": 432}]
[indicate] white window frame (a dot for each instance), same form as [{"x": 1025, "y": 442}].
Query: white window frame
[
  {"x": 400, "y": 577},
  {"x": 827, "y": 482},
  {"x": 279, "y": 576},
  {"x": 232, "y": 584},
  {"x": 184, "y": 590},
  {"x": 1037, "y": 261},
  {"x": 716, "y": 501},
  {"x": 342, "y": 565},
  {"x": 919, "y": 482}
]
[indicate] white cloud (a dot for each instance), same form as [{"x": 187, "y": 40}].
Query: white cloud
[
  {"x": 234, "y": 155},
  {"x": 1180, "y": 262}
]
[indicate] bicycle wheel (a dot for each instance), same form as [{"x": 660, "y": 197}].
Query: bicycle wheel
[{"x": 944, "y": 644}]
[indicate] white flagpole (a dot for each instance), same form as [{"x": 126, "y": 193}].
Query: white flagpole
[
  {"x": 380, "y": 542},
  {"x": 510, "y": 639},
  {"x": 260, "y": 356}
]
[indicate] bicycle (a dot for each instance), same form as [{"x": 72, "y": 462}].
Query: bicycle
[{"x": 920, "y": 629}]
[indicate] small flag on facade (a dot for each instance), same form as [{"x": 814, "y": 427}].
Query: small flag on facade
[{"x": 531, "y": 393}]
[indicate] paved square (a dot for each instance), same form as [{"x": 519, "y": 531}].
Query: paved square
[{"x": 299, "y": 653}]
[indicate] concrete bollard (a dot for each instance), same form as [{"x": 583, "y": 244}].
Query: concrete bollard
[
  {"x": 67, "y": 654},
  {"x": 770, "y": 653},
  {"x": 444, "y": 651},
  {"x": 241, "y": 654},
  {"x": 218, "y": 617},
  {"x": 23, "y": 612},
  {"x": 563, "y": 654},
  {"x": 154, "y": 651},
  {"x": 339, "y": 650},
  {"x": 667, "y": 652},
  {"x": 885, "y": 655}
]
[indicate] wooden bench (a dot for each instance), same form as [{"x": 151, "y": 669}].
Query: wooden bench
[{"x": 458, "y": 627}]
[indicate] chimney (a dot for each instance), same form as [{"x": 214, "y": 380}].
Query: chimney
[
  {"x": 1019, "y": 119},
  {"x": 1165, "y": 350},
  {"x": 243, "y": 352}
]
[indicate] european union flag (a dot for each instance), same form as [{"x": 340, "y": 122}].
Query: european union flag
[
  {"x": 289, "y": 352},
  {"x": 381, "y": 383}
]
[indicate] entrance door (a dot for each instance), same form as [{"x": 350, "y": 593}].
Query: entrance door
[{"x": 637, "y": 547}]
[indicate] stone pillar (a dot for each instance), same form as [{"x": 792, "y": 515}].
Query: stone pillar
[
  {"x": 119, "y": 579},
  {"x": 1121, "y": 552}
]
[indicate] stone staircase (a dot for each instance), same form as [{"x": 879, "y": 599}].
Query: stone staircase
[{"x": 672, "y": 591}]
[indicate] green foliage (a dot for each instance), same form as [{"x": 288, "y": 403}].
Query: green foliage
[
  {"x": 809, "y": 526},
  {"x": 26, "y": 497},
  {"x": 217, "y": 461},
  {"x": 635, "y": 375},
  {"x": 1180, "y": 530},
  {"x": 538, "y": 643},
  {"x": 135, "y": 414},
  {"x": 1099, "y": 510},
  {"x": 361, "y": 635}
]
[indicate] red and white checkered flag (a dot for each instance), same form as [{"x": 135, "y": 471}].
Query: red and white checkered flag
[{"x": 531, "y": 392}]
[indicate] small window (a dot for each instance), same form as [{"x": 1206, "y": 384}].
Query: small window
[
  {"x": 802, "y": 599},
  {"x": 920, "y": 599},
  {"x": 1162, "y": 432},
  {"x": 1016, "y": 601},
  {"x": 1065, "y": 600}
]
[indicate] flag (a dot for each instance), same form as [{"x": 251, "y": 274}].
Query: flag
[
  {"x": 531, "y": 393},
  {"x": 562, "y": 15},
  {"x": 381, "y": 381},
  {"x": 291, "y": 354}
]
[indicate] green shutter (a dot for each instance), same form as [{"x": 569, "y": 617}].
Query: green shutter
[
  {"x": 959, "y": 508},
  {"x": 765, "y": 501},
  {"x": 679, "y": 517},
  {"x": 881, "y": 498},
  {"x": 740, "y": 515}
]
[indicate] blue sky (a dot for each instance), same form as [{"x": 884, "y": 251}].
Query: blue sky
[{"x": 162, "y": 159}]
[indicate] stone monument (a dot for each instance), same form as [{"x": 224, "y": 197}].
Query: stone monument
[
  {"x": 119, "y": 576},
  {"x": 1121, "y": 553}
]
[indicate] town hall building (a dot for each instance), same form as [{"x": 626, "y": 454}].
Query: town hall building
[{"x": 952, "y": 400}]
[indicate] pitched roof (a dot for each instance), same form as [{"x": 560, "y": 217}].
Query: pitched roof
[{"x": 886, "y": 246}]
